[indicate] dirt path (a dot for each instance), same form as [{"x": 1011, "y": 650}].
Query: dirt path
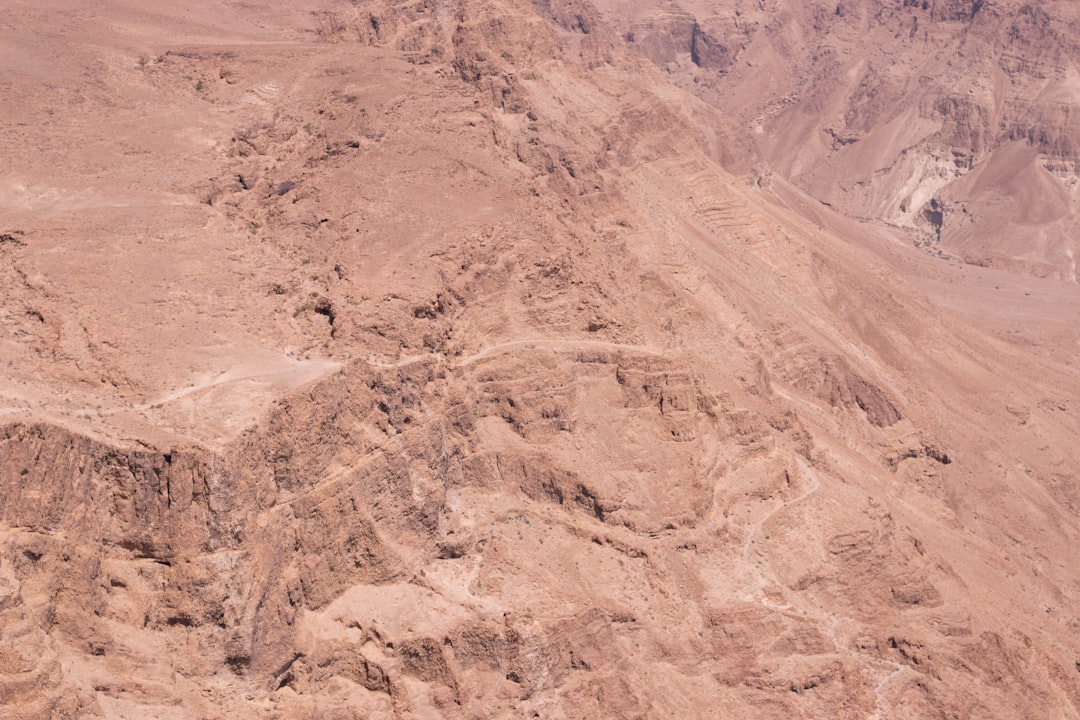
[
  {"x": 806, "y": 470},
  {"x": 301, "y": 372},
  {"x": 534, "y": 344},
  {"x": 880, "y": 688},
  {"x": 882, "y": 703}
]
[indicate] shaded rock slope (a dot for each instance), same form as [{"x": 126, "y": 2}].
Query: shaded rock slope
[{"x": 425, "y": 359}]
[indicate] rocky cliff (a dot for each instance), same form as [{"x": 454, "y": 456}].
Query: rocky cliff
[
  {"x": 448, "y": 360},
  {"x": 955, "y": 120}
]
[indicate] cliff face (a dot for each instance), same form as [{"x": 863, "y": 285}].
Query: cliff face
[
  {"x": 455, "y": 363},
  {"x": 942, "y": 118}
]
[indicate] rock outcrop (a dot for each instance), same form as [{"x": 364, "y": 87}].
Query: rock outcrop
[
  {"x": 884, "y": 111},
  {"x": 409, "y": 360}
]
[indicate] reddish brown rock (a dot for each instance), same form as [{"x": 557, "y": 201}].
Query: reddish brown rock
[{"x": 380, "y": 360}]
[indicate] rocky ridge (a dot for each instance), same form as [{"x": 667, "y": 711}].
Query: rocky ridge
[{"x": 556, "y": 411}]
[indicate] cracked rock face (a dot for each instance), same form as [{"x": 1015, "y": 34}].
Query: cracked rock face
[{"x": 558, "y": 360}]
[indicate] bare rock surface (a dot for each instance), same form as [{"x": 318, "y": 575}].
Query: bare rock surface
[
  {"x": 502, "y": 359},
  {"x": 954, "y": 123}
]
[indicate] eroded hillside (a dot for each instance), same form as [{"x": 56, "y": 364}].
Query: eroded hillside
[
  {"x": 954, "y": 121},
  {"x": 448, "y": 360}
]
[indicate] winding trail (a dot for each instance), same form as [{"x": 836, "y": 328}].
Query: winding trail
[
  {"x": 536, "y": 344},
  {"x": 807, "y": 470},
  {"x": 883, "y": 705},
  {"x": 299, "y": 373},
  {"x": 880, "y": 688}
]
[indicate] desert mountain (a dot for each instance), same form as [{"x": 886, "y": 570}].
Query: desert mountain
[
  {"x": 953, "y": 119},
  {"x": 504, "y": 359}
]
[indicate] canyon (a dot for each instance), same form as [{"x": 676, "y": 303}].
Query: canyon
[{"x": 554, "y": 359}]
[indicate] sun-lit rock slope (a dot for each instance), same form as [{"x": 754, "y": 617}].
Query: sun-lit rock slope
[{"x": 448, "y": 359}]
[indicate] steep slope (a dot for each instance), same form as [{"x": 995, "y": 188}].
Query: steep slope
[
  {"x": 955, "y": 120},
  {"x": 450, "y": 362}
]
